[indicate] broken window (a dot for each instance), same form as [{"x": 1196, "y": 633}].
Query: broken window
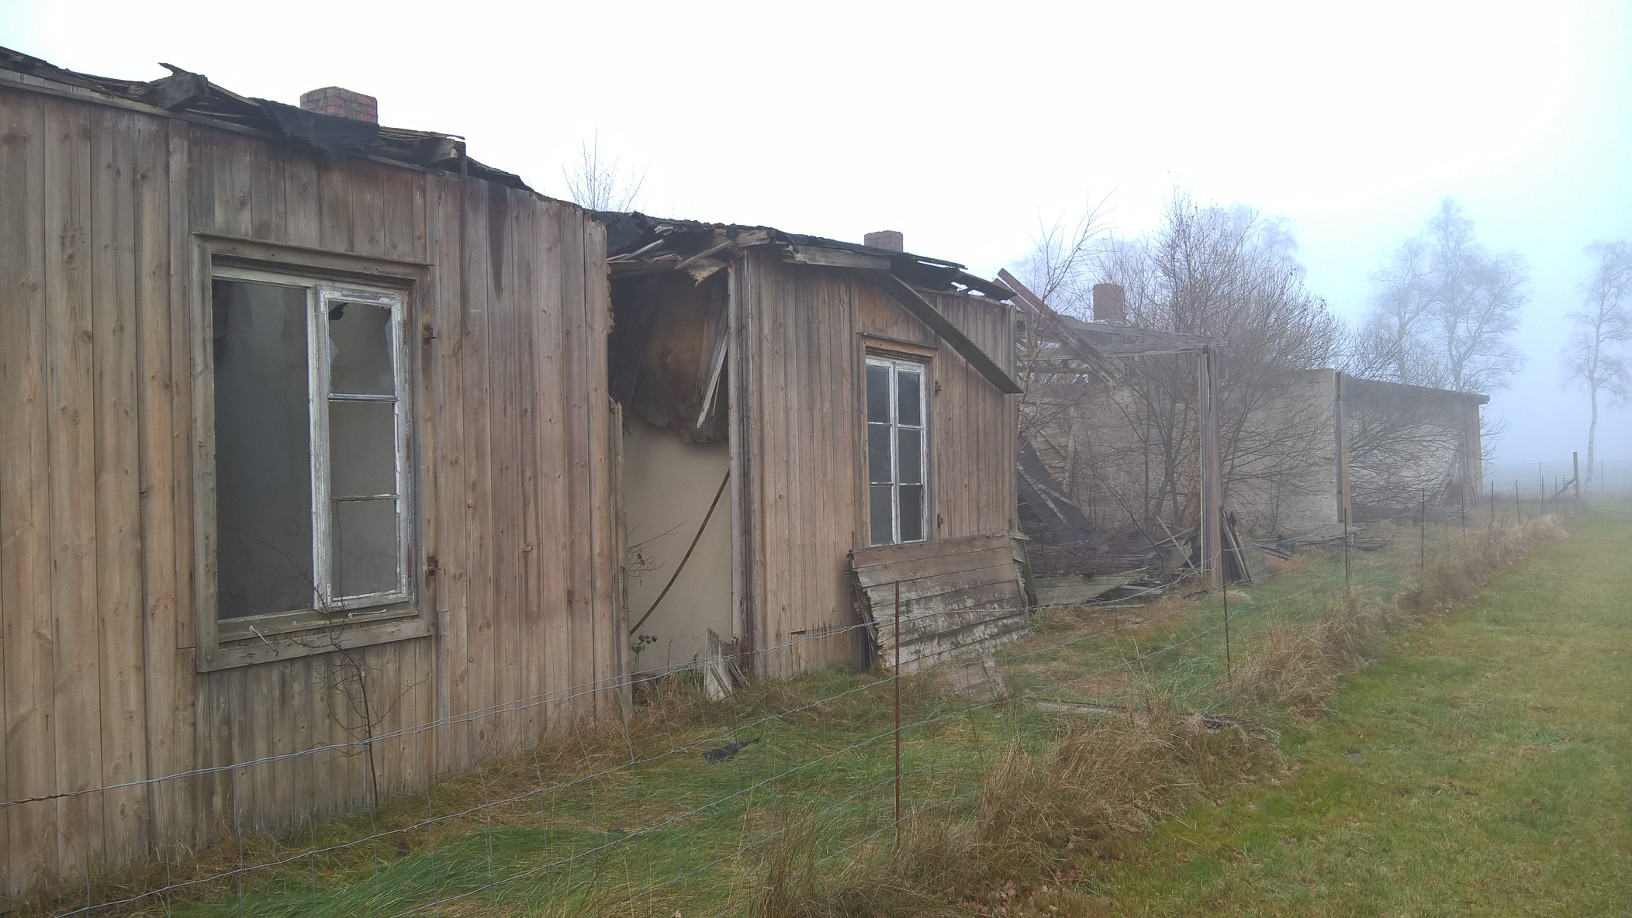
[
  {"x": 897, "y": 450},
  {"x": 311, "y": 439}
]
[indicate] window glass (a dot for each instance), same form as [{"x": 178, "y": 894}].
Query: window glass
[
  {"x": 911, "y": 463},
  {"x": 912, "y": 513},
  {"x": 909, "y": 383},
  {"x": 360, "y": 349},
  {"x": 896, "y": 450},
  {"x": 878, "y": 454},
  {"x": 878, "y": 393},
  {"x": 263, "y": 465},
  {"x": 881, "y": 505},
  {"x": 362, "y": 448},
  {"x": 308, "y": 525},
  {"x": 366, "y": 547}
]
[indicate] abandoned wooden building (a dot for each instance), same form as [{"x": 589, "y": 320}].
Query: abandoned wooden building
[
  {"x": 325, "y": 469},
  {"x": 1103, "y": 489},
  {"x": 807, "y": 422},
  {"x": 304, "y": 466},
  {"x": 1107, "y": 461}
]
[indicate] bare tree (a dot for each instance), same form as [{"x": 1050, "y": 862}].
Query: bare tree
[
  {"x": 1222, "y": 272},
  {"x": 600, "y": 183},
  {"x": 1393, "y": 342},
  {"x": 1442, "y": 310},
  {"x": 1060, "y": 266},
  {"x": 1059, "y": 269},
  {"x": 1602, "y": 328}
]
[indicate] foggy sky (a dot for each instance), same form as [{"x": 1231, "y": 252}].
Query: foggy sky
[{"x": 967, "y": 126}]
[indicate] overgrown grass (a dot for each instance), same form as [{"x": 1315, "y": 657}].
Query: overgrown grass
[
  {"x": 1484, "y": 768},
  {"x": 1008, "y": 810}
]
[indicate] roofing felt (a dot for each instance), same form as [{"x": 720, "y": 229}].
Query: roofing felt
[
  {"x": 192, "y": 97},
  {"x": 630, "y": 232}
]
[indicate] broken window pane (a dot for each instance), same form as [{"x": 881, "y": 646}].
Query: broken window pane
[
  {"x": 912, "y": 513},
  {"x": 878, "y": 393},
  {"x": 263, "y": 466},
  {"x": 882, "y": 514},
  {"x": 910, "y": 402},
  {"x": 362, "y": 448},
  {"x": 365, "y": 547},
  {"x": 360, "y": 349}
]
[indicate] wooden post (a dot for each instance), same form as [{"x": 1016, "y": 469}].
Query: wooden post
[
  {"x": 1345, "y": 500},
  {"x": 1422, "y": 534},
  {"x": 1575, "y": 462},
  {"x": 1345, "y": 503},
  {"x": 1211, "y": 474},
  {"x": 897, "y": 714},
  {"x": 739, "y": 449}
]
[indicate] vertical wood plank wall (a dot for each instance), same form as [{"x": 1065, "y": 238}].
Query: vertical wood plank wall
[
  {"x": 803, "y": 335},
  {"x": 98, "y": 207}
]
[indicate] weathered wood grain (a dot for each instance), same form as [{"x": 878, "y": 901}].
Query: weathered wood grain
[
  {"x": 103, "y": 567},
  {"x": 970, "y": 603},
  {"x": 71, "y": 484},
  {"x": 26, "y": 654},
  {"x": 118, "y": 511}
]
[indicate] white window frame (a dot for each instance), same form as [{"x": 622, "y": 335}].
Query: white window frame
[
  {"x": 321, "y": 393},
  {"x": 334, "y": 621},
  {"x": 896, "y": 366}
]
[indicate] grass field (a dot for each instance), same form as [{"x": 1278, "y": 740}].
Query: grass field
[
  {"x": 1485, "y": 767},
  {"x": 1480, "y": 767}
]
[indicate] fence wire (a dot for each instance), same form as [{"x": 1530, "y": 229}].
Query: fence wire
[{"x": 606, "y": 831}]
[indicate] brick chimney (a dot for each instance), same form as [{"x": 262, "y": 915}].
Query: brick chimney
[
  {"x": 886, "y": 239},
  {"x": 1110, "y": 303},
  {"x": 332, "y": 100}
]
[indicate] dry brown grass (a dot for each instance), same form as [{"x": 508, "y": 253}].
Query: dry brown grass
[
  {"x": 1278, "y": 565},
  {"x": 1460, "y": 572},
  {"x": 1041, "y": 819},
  {"x": 1294, "y": 667}
]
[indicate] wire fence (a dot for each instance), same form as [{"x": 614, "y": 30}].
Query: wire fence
[
  {"x": 1536, "y": 478},
  {"x": 675, "y": 806}
]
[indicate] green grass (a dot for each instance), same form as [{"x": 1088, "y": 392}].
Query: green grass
[
  {"x": 1483, "y": 768},
  {"x": 629, "y": 820}
]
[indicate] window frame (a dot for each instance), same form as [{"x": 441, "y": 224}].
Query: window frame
[
  {"x": 337, "y": 622},
  {"x": 919, "y": 361}
]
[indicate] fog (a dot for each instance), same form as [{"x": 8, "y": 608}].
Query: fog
[{"x": 968, "y": 127}]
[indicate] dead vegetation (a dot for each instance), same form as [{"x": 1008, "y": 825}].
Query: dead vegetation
[
  {"x": 1044, "y": 817},
  {"x": 1039, "y": 819},
  {"x": 1020, "y": 833}
]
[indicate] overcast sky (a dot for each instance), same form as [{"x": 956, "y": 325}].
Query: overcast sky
[{"x": 966, "y": 126}]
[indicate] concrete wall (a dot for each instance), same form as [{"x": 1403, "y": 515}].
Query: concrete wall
[{"x": 668, "y": 485}]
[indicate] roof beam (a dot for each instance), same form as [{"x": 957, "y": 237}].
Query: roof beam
[
  {"x": 1085, "y": 351},
  {"x": 925, "y": 311}
]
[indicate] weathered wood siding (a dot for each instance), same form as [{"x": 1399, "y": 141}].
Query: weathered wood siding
[
  {"x": 98, "y": 211},
  {"x": 952, "y": 599},
  {"x": 803, "y": 331}
]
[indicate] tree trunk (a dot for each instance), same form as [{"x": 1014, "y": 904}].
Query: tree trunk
[{"x": 1592, "y": 431}]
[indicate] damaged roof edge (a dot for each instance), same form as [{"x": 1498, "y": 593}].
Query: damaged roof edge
[
  {"x": 192, "y": 97},
  {"x": 633, "y": 234}
]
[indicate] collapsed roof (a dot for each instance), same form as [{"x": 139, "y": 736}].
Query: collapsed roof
[
  {"x": 192, "y": 97},
  {"x": 637, "y": 243}
]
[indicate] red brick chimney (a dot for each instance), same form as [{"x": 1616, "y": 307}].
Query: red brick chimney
[
  {"x": 886, "y": 239},
  {"x": 332, "y": 100},
  {"x": 1110, "y": 303}
]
